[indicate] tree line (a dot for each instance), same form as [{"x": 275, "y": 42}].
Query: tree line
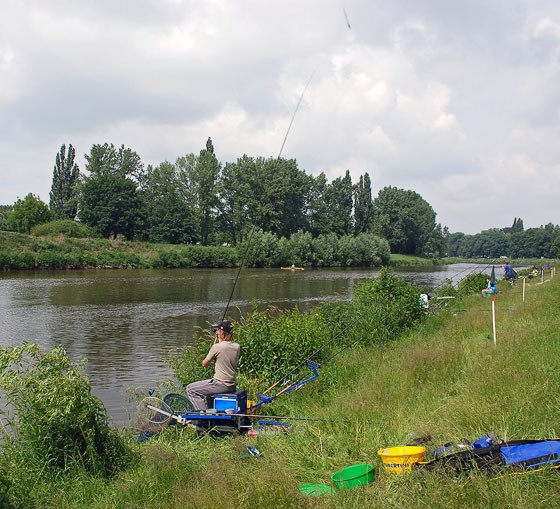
[
  {"x": 198, "y": 200},
  {"x": 515, "y": 242}
]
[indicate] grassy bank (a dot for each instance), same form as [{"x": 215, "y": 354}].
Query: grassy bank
[
  {"x": 446, "y": 379},
  {"x": 60, "y": 252},
  {"x": 27, "y": 252}
]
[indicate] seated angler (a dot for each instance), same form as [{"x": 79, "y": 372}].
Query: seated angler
[{"x": 225, "y": 353}]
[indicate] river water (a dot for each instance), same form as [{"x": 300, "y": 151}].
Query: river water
[{"x": 124, "y": 322}]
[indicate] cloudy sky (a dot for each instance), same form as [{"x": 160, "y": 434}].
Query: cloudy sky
[{"x": 458, "y": 100}]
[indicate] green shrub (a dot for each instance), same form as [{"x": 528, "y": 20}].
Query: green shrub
[
  {"x": 275, "y": 344},
  {"x": 54, "y": 424},
  {"x": 51, "y": 260},
  {"x": 65, "y": 227},
  {"x": 473, "y": 283}
]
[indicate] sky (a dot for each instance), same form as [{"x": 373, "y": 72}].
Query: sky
[{"x": 456, "y": 100}]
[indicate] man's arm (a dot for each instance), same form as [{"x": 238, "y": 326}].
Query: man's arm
[{"x": 209, "y": 357}]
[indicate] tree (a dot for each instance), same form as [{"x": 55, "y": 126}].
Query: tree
[
  {"x": 405, "y": 219},
  {"x": 64, "y": 193},
  {"x": 109, "y": 199},
  {"x": 286, "y": 190},
  {"x": 169, "y": 218},
  {"x": 339, "y": 200},
  {"x": 27, "y": 213},
  {"x": 123, "y": 162},
  {"x": 517, "y": 225},
  {"x": 454, "y": 241},
  {"x": 317, "y": 210},
  {"x": 236, "y": 192},
  {"x": 198, "y": 177},
  {"x": 5, "y": 211},
  {"x": 110, "y": 204},
  {"x": 271, "y": 194},
  {"x": 554, "y": 250},
  {"x": 363, "y": 205},
  {"x": 204, "y": 179}
]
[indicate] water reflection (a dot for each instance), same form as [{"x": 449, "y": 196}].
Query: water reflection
[{"x": 125, "y": 322}]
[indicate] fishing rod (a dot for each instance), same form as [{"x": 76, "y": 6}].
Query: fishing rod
[
  {"x": 244, "y": 257},
  {"x": 290, "y": 418},
  {"x": 479, "y": 267},
  {"x": 294, "y": 115}
]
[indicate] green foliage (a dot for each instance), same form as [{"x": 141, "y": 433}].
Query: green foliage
[
  {"x": 276, "y": 343},
  {"x": 5, "y": 211},
  {"x": 302, "y": 248},
  {"x": 169, "y": 218},
  {"x": 406, "y": 220},
  {"x": 27, "y": 213},
  {"x": 326, "y": 250},
  {"x": 363, "y": 206},
  {"x": 19, "y": 251},
  {"x": 185, "y": 257},
  {"x": 339, "y": 202},
  {"x": 387, "y": 305},
  {"x": 269, "y": 193},
  {"x": 473, "y": 283},
  {"x": 110, "y": 204},
  {"x": 66, "y": 227},
  {"x": 515, "y": 242},
  {"x": 64, "y": 188},
  {"x": 447, "y": 289},
  {"x": 107, "y": 159},
  {"x": 263, "y": 249},
  {"x": 260, "y": 250},
  {"x": 368, "y": 250},
  {"x": 53, "y": 422}
]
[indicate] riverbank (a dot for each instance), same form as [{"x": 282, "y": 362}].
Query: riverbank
[
  {"x": 447, "y": 379},
  {"x": 28, "y": 252}
]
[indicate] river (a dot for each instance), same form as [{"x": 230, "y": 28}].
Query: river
[{"x": 124, "y": 322}]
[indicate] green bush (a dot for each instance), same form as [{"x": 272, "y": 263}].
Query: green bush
[
  {"x": 54, "y": 423},
  {"x": 65, "y": 227},
  {"x": 51, "y": 260},
  {"x": 275, "y": 344},
  {"x": 473, "y": 283}
]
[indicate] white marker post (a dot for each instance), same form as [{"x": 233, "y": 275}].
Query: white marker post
[
  {"x": 494, "y": 320},
  {"x": 524, "y": 279}
]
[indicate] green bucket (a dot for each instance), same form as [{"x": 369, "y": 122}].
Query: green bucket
[
  {"x": 315, "y": 490},
  {"x": 356, "y": 475}
]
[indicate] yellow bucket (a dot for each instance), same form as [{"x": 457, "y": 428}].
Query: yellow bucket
[
  {"x": 249, "y": 404},
  {"x": 398, "y": 460}
]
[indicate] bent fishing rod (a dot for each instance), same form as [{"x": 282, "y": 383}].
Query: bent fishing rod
[{"x": 244, "y": 257}]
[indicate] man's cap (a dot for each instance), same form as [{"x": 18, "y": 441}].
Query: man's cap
[{"x": 224, "y": 325}]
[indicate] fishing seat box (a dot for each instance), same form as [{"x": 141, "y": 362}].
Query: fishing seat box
[{"x": 236, "y": 400}]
